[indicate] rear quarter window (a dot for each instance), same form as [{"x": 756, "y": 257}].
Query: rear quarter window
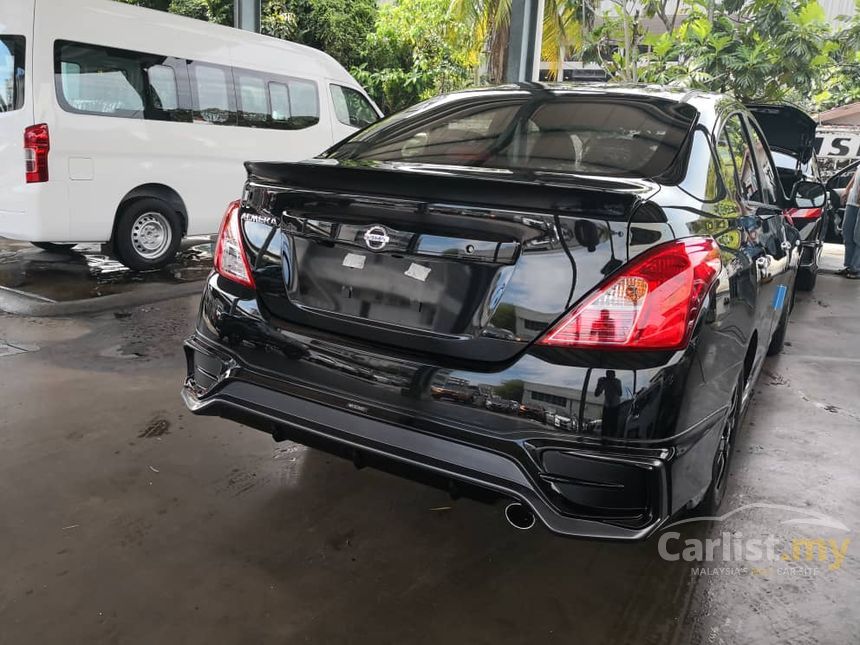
[{"x": 12, "y": 72}]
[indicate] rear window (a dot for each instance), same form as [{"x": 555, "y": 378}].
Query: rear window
[
  {"x": 11, "y": 73},
  {"x": 583, "y": 135}
]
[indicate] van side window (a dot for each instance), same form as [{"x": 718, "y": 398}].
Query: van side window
[
  {"x": 351, "y": 108},
  {"x": 116, "y": 82},
  {"x": 304, "y": 104},
  {"x": 253, "y": 99},
  {"x": 100, "y": 80},
  {"x": 279, "y": 97},
  {"x": 212, "y": 93},
  {"x": 11, "y": 73},
  {"x": 164, "y": 94}
]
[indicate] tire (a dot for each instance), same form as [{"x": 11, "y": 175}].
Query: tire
[
  {"x": 147, "y": 234},
  {"x": 777, "y": 341},
  {"x": 53, "y": 247},
  {"x": 713, "y": 498}
]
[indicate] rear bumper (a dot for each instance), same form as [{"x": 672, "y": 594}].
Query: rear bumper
[
  {"x": 475, "y": 471},
  {"x": 585, "y": 468}
]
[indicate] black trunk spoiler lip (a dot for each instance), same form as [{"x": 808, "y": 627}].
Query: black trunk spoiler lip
[
  {"x": 787, "y": 128},
  {"x": 605, "y": 197}
]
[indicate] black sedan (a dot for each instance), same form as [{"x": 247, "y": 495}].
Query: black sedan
[
  {"x": 790, "y": 132},
  {"x": 616, "y": 254}
]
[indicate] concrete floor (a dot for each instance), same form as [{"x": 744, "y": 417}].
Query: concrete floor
[{"x": 126, "y": 520}]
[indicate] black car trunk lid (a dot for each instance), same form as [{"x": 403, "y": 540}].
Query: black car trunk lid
[
  {"x": 468, "y": 264},
  {"x": 786, "y": 128}
]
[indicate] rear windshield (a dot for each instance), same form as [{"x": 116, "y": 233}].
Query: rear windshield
[
  {"x": 11, "y": 73},
  {"x": 613, "y": 135}
]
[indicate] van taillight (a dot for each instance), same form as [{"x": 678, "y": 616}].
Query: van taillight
[
  {"x": 37, "y": 143},
  {"x": 650, "y": 304}
]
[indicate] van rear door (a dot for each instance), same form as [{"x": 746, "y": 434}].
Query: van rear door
[{"x": 16, "y": 101}]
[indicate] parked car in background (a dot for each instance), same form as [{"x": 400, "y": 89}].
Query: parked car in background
[
  {"x": 663, "y": 276},
  {"x": 836, "y": 189},
  {"x": 790, "y": 133},
  {"x": 129, "y": 126}
]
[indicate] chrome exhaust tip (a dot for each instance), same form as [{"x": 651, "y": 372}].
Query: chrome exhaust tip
[{"x": 519, "y": 516}]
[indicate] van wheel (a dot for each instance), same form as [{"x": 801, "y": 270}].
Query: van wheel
[
  {"x": 710, "y": 504},
  {"x": 53, "y": 247},
  {"x": 148, "y": 233}
]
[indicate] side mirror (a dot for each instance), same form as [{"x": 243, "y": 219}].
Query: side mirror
[{"x": 808, "y": 194}]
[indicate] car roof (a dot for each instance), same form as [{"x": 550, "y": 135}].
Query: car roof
[{"x": 672, "y": 93}]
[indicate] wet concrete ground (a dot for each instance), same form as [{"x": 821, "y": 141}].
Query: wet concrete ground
[
  {"x": 86, "y": 272},
  {"x": 126, "y": 520}
]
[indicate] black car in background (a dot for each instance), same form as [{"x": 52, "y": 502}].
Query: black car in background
[
  {"x": 836, "y": 185},
  {"x": 790, "y": 133},
  {"x": 615, "y": 256}
]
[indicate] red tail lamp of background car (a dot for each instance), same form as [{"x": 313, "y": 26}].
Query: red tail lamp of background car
[{"x": 651, "y": 304}]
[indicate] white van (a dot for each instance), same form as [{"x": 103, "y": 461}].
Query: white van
[{"x": 129, "y": 126}]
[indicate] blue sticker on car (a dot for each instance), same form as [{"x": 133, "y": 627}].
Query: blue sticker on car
[{"x": 779, "y": 297}]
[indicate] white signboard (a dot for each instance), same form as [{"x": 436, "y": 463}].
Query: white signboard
[{"x": 839, "y": 143}]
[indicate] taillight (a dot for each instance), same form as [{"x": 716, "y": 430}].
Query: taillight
[
  {"x": 230, "y": 259},
  {"x": 651, "y": 304},
  {"x": 37, "y": 143}
]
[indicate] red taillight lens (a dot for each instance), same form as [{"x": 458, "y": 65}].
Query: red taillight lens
[
  {"x": 230, "y": 259},
  {"x": 37, "y": 143},
  {"x": 651, "y": 304}
]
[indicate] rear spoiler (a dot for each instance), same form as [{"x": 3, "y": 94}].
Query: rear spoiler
[{"x": 607, "y": 198}]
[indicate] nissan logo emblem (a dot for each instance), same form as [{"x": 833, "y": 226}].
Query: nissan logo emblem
[{"x": 376, "y": 237}]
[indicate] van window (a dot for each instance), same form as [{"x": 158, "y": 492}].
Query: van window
[
  {"x": 117, "y": 82},
  {"x": 99, "y": 80},
  {"x": 162, "y": 84},
  {"x": 279, "y": 96},
  {"x": 253, "y": 101},
  {"x": 304, "y": 103},
  {"x": 11, "y": 73},
  {"x": 351, "y": 108},
  {"x": 212, "y": 89}
]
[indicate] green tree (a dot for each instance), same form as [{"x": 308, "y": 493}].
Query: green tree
[
  {"x": 279, "y": 21},
  {"x": 217, "y": 11},
  {"x": 841, "y": 82},
  {"x": 757, "y": 49},
  {"x": 488, "y": 22},
  {"x": 415, "y": 52},
  {"x": 337, "y": 27},
  {"x": 161, "y": 5}
]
